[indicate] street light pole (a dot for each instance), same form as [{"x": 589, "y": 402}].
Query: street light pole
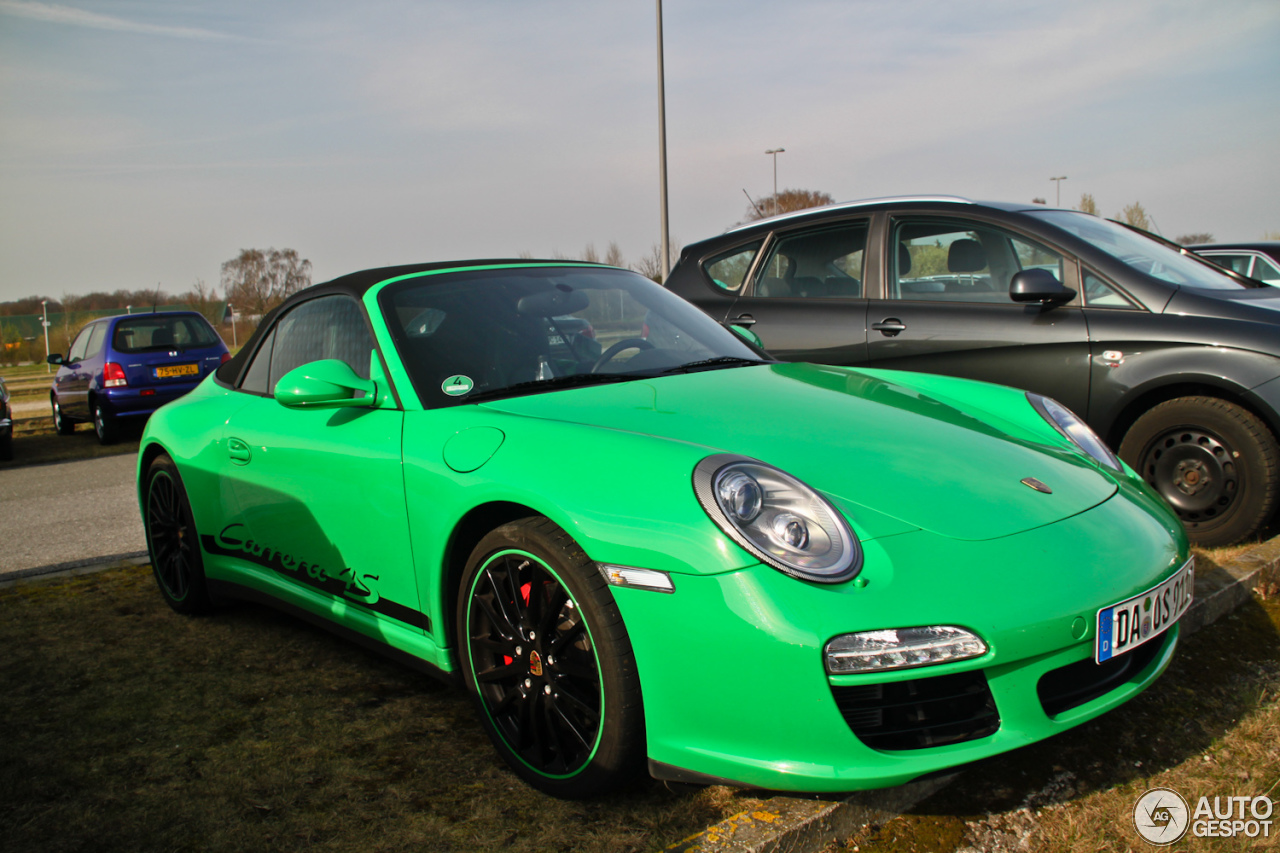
[
  {"x": 662, "y": 154},
  {"x": 44, "y": 308},
  {"x": 775, "y": 152},
  {"x": 1058, "y": 183}
]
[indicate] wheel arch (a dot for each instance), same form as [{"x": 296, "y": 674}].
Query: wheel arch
[
  {"x": 1150, "y": 397},
  {"x": 478, "y": 522}
]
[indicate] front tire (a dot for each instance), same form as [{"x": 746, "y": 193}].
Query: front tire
[
  {"x": 548, "y": 662},
  {"x": 172, "y": 540},
  {"x": 1215, "y": 463}
]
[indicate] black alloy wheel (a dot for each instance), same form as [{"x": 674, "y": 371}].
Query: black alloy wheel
[
  {"x": 61, "y": 423},
  {"x": 172, "y": 540},
  {"x": 548, "y": 662},
  {"x": 104, "y": 424},
  {"x": 1216, "y": 464}
]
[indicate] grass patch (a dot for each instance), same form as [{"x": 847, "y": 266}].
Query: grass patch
[
  {"x": 124, "y": 726},
  {"x": 1210, "y": 726}
]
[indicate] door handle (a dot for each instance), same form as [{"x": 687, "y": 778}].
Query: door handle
[
  {"x": 238, "y": 451},
  {"x": 889, "y": 327},
  {"x": 743, "y": 320}
]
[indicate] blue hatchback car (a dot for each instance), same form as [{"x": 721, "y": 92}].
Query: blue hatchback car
[{"x": 129, "y": 365}]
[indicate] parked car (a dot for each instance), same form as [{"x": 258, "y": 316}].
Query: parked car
[
  {"x": 1260, "y": 260},
  {"x": 125, "y": 367},
  {"x": 6, "y": 424},
  {"x": 920, "y": 571},
  {"x": 1173, "y": 362}
]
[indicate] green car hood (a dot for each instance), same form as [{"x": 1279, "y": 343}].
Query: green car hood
[{"x": 858, "y": 438}]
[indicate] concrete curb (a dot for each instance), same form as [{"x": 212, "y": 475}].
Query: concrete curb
[
  {"x": 794, "y": 825},
  {"x": 75, "y": 567}
]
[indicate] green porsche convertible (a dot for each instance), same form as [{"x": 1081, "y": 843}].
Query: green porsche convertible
[{"x": 642, "y": 544}]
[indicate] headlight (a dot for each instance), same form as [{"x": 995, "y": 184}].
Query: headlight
[
  {"x": 777, "y": 518},
  {"x": 1076, "y": 431}
]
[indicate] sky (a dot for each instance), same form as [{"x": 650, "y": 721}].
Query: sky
[{"x": 145, "y": 142}]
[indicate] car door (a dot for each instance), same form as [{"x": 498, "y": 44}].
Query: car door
[
  {"x": 78, "y": 369},
  {"x": 806, "y": 300},
  {"x": 946, "y": 309},
  {"x": 318, "y": 494}
]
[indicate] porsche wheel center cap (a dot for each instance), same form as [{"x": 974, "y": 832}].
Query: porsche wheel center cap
[{"x": 535, "y": 663}]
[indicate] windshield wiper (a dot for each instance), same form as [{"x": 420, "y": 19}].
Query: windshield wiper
[
  {"x": 555, "y": 383},
  {"x": 713, "y": 363}
]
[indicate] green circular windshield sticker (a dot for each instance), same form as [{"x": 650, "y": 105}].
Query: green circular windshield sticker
[{"x": 456, "y": 386}]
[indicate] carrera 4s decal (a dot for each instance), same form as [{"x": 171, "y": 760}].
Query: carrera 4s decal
[{"x": 233, "y": 541}]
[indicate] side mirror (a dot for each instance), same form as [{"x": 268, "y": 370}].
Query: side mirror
[
  {"x": 325, "y": 384},
  {"x": 55, "y": 358},
  {"x": 747, "y": 335},
  {"x": 1037, "y": 285}
]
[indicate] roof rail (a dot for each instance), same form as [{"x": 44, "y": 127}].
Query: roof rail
[{"x": 845, "y": 205}]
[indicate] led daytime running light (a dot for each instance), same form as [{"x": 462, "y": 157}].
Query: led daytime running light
[{"x": 900, "y": 648}]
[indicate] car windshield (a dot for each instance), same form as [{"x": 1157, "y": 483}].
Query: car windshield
[
  {"x": 1140, "y": 253},
  {"x": 479, "y": 334},
  {"x": 155, "y": 332}
]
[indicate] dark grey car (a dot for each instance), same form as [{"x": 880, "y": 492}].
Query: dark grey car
[{"x": 1171, "y": 361}]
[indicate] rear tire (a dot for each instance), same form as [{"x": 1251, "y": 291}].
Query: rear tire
[
  {"x": 173, "y": 541},
  {"x": 104, "y": 424},
  {"x": 1215, "y": 463},
  {"x": 547, "y": 660},
  {"x": 6, "y": 448},
  {"x": 61, "y": 423}
]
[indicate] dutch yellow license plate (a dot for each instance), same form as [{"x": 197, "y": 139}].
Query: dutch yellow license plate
[{"x": 177, "y": 370}]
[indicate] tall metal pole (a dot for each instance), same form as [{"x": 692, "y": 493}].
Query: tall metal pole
[
  {"x": 662, "y": 154},
  {"x": 1058, "y": 183},
  {"x": 44, "y": 308},
  {"x": 775, "y": 152}
]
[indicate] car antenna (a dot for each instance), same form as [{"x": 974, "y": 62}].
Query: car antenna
[{"x": 759, "y": 212}]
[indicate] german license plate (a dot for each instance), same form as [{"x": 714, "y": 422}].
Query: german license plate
[
  {"x": 1124, "y": 626},
  {"x": 555, "y": 340},
  {"x": 177, "y": 370}
]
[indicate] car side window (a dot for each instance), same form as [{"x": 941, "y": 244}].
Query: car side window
[
  {"x": 328, "y": 327},
  {"x": 729, "y": 270},
  {"x": 824, "y": 264},
  {"x": 80, "y": 346},
  {"x": 1266, "y": 270},
  {"x": 97, "y": 335},
  {"x": 255, "y": 378},
  {"x": 952, "y": 261},
  {"x": 1235, "y": 263},
  {"x": 1100, "y": 294}
]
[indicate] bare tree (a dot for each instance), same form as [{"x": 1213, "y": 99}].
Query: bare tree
[
  {"x": 257, "y": 280},
  {"x": 1038, "y": 200},
  {"x": 613, "y": 255},
  {"x": 1135, "y": 215},
  {"x": 785, "y": 201},
  {"x": 590, "y": 255},
  {"x": 1191, "y": 239},
  {"x": 650, "y": 264},
  {"x": 1087, "y": 204}
]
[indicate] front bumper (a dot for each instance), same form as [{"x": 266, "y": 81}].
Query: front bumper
[{"x": 735, "y": 689}]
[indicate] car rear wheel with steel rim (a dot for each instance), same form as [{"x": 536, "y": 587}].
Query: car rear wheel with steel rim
[
  {"x": 172, "y": 540},
  {"x": 61, "y": 423},
  {"x": 548, "y": 661},
  {"x": 1215, "y": 463},
  {"x": 104, "y": 424}
]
